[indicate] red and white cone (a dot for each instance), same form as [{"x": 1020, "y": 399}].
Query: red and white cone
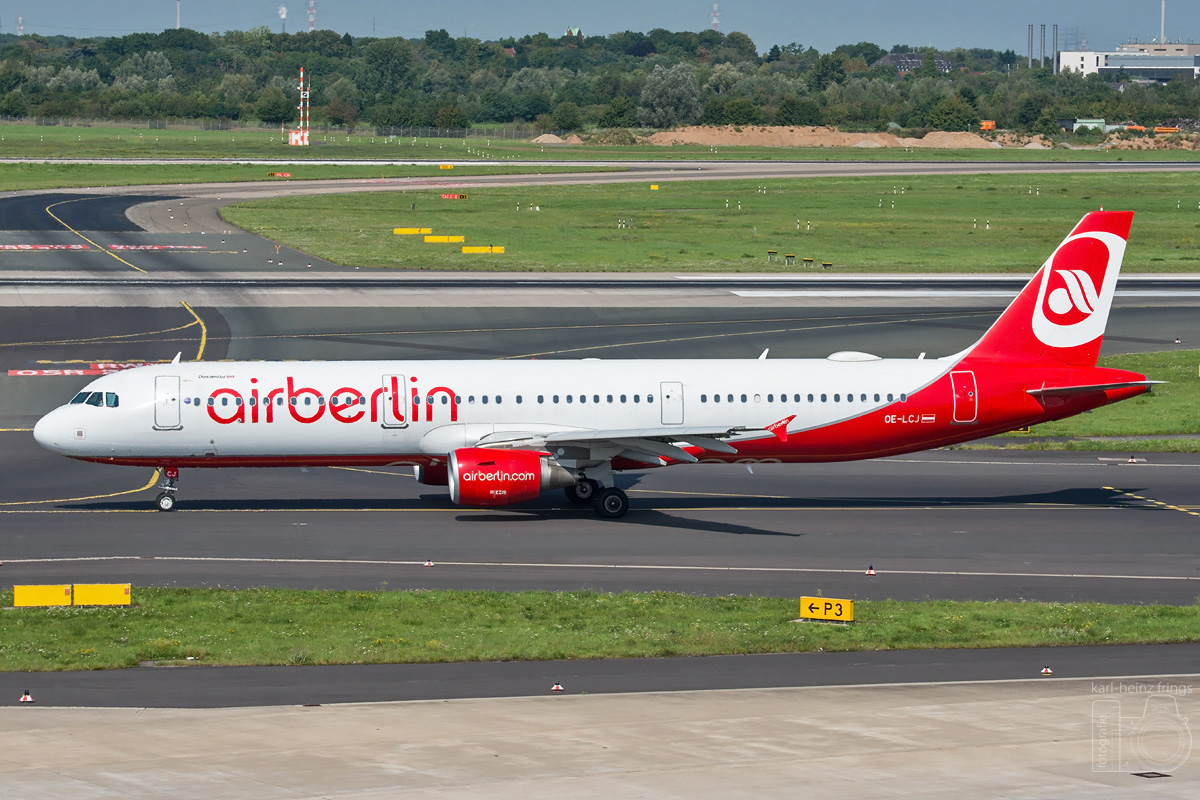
[
  {"x": 870, "y": 570},
  {"x": 26, "y": 698},
  {"x": 429, "y": 563},
  {"x": 1047, "y": 671},
  {"x": 1132, "y": 460},
  {"x": 557, "y": 688}
]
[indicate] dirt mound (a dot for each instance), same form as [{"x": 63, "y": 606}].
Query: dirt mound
[
  {"x": 803, "y": 136},
  {"x": 548, "y": 138},
  {"x": 1173, "y": 141}
]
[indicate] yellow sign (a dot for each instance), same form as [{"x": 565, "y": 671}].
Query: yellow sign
[
  {"x": 53, "y": 595},
  {"x": 411, "y": 231},
  {"x": 102, "y": 594},
  {"x": 831, "y": 608},
  {"x": 654, "y": 187},
  {"x": 483, "y": 249},
  {"x": 444, "y": 239},
  {"x": 445, "y": 166}
]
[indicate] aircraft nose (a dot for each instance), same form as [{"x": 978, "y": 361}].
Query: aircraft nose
[{"x": 51, "y": 431}]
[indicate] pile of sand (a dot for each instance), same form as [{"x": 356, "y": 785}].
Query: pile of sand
[
  {"x": 1161, "y": 142},
  {"x": 548, "y": 138},
  {"x": 802, "y": 136}
]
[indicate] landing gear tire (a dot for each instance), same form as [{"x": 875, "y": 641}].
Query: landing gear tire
[
  {"x": 165, "y": 501},
  {"x": 582, "y": 492},
  {"x": 611, "y": 503}
]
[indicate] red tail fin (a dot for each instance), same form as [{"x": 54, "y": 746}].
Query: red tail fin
[{"x": 1060, "y": 315}]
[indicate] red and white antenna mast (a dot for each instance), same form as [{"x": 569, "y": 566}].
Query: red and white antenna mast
[
  {"x": 300, "y": 135},
  {"x": 20, "y": 25},
  {"x": 716, "y": 16},
  {"x": 312, "y": 15}
]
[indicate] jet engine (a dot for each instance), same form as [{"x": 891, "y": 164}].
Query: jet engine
[{"x": 482, "y": 477}]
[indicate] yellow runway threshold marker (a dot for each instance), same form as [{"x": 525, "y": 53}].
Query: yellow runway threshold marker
[
  {"x": 826, "y": 609},
  {"x": 102, "y": 594},
  {"x": 52, "y": 595},
  {"x": 444, "y": 239},
  {"x": 411, "y": 231},
  {"x": 482, "y": 249}
]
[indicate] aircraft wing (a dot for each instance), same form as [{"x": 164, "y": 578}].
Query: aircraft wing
[{"x": 644, "y": 445}]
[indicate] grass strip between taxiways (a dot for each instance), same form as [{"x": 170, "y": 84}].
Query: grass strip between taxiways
[{"x": 283, "y": 626}]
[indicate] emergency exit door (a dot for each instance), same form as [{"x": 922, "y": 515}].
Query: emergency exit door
[
  {"x": 166, "y": 403},
  {"x": 966, "y": 397}
]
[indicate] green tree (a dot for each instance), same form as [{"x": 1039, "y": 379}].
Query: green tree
[
  {"x": 670, "y": 97},
  {"x": 274, "y": 106},
  {"x": 567, "y": 117},
  {"x": 1046, "y": 124},
  {"x": 741, "y": 111},
  {"x": 928, "y": 68},
  {"x": 387, "y": 67},
  {"x": 621, "y": 113},
  {"x": 952, "y": 114}
]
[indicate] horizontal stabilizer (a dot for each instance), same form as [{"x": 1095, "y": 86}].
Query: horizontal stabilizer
[{"x": 1061, "y": 391}]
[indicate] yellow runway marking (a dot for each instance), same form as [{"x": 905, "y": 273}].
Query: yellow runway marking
[
  {"x": 713, "y": 494},
  {"x": 203, "y": 331},
  {"x": 469, "y": 509},
  {"x": 16, "y": 430},
  {"x": 1154, "y": 502},
  {"x": 153, "y": 480},
  {"x": 86, "y": 239}
]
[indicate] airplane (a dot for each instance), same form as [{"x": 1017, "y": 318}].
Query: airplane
[{"x": 502, "y": 432}]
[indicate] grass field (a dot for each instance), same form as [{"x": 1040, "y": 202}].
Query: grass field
[
  {"x": 986, "y": 223},
  {"x": 278, "y": 626},
  {"x": 31, "y": 141},
  {"x": 14, "y": 177}
]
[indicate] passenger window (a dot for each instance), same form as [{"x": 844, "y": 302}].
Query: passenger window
[
  {"x": 649, "y": 398},
  {"x": 703, "y": 398},
  {"x": 889, "y": 397},
  {"x": 498, "y": 398},
  {"x": 279, "y": 400},
  {"x": 810, "y": 398},
  {"x": 583, "y": 398},
  {"x": 483, "y": 399},
  {"x": 877, "y": 397},
  {"x": 224, "y": 401},
  {"x": 610, "y": 398},
  {"x": 729, "y": 398},
  {"x": 758, "y": 398},
  {"x": 823, "y": 398},
  {"x": 770, "y": 398},
  {"x": 569, "y": 398},
  {"x": 237, "y": 402},
  {"x": 595, "y": 398},
  {"x": 541, "y": 398},
  {"x": 863, "y": 398},
  {"x": 446, "y": 400},
  {"x": 80, "y": 398},
  {"x": 622, "y": 398},
  {"x": 837, "y": 398},
  {"x": 212, "y": 402},
  {"x": 716, "y": 398},
  {"x": 307, "y": 400},
  {"x": 850, "y": 398},
  {"x": 518, "y": 399},
  {"x": 111, "y": 400},
  {"x": 292, "y": 401},
  {"x": 320, "y": 401},
  {"x": 903, "y": 397},
  {"x": 637, "y": 398},
  {"x": 797, "y": 398},
  {"x": 556, "y": 398},
  {"x": 743, "y": 398}
]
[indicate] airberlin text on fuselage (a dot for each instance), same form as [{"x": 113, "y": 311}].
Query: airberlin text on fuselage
[{"x": 227, "y": 405}]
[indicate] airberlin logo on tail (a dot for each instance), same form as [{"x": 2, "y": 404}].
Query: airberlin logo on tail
[{"x": 1077, "y": 289}]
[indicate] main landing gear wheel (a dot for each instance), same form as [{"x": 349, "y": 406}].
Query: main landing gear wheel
[
  {"x": 582, "y": 492},
  {"x": 165, "y": 501},
  {"x": 611, "y": 503}
]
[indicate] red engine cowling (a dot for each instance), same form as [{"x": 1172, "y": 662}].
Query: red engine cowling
[
  {"x": 436, "y": 475},
  {"x": 482, "y": 477}
]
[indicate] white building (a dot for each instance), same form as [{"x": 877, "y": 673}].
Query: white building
[{"x": 1135, "y": 64}]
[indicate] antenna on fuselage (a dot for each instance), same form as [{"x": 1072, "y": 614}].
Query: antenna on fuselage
[
  {"x": 763, "y": 357},
  {"x": 175, "y": 360}
]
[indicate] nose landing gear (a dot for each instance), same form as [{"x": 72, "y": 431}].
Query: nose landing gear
[{"x": 166, "y": 498}]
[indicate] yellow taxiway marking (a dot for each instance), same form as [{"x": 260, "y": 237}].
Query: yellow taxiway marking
[
  {"x": 92, "y": 340},
  {"x": 557, "y": 509},
  {"x": 376, "y": 472},
  {"x": 702, "y": 337},
  {"x": 16, "y": 430},
  {"x": 153, "y": 480},
  {"x": 203, "y": 331},
  {"x": 1154, "y": 502},
  {"x": 641, "y": 567},
  {"x": 86, "y": 239}
]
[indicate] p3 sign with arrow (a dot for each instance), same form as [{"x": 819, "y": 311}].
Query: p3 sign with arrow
[{"x": 827, "y": 608}]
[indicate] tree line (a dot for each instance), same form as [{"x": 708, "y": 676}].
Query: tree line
[{"x": 657, "y": 79}]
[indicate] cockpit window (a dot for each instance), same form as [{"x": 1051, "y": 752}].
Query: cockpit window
[
  {"x": 95, "y": 399},
  {"x": 111, "y": 400},
  {"x": 79, "y": 398}
]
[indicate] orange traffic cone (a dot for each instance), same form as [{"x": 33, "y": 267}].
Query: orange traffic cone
[
  {"x": 26, "y": 698},
  {"x": 870, "y": 570},
  {"x": 429, "y": 563},
  {"x": 1047, "y": 671},
  {"x": 556, "y": 687}
]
